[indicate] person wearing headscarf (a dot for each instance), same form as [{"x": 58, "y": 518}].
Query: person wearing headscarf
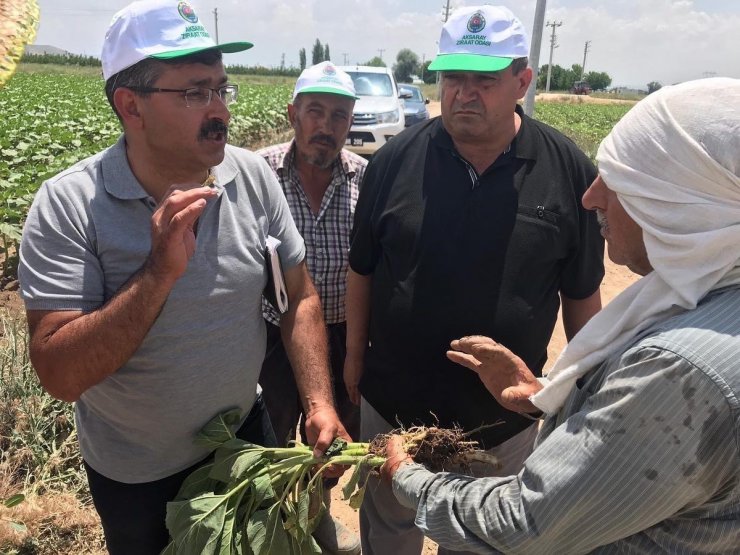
[{"x": 639, "y": 451}]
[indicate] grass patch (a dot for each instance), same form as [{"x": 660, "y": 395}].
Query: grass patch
[{"x": 39, "y": 457}]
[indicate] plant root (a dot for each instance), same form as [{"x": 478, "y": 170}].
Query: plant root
[{"x": 439, "y": 449}]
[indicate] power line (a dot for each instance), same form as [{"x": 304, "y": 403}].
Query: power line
[{"x": 553, "y": 46}]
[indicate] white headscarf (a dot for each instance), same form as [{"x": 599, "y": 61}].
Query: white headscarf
[{"x": 674, "y": 162}]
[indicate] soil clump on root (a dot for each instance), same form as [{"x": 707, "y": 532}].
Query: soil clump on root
[{"x": 438, "y": 449}]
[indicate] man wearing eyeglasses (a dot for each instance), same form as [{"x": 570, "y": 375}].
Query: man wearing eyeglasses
[{"x": 142, "y": 270}]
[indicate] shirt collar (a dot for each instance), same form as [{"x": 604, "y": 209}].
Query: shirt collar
[{"x": 120, "y": 182}]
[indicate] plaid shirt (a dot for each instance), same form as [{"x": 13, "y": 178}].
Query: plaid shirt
[{"x": 326, "y": 234}]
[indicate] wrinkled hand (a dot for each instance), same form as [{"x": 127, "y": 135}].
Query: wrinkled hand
[
  {"x": 395, "y": 458},
  {"x": 503, "y": 373},
  {"x": 352, "y": 374},
  {"x": 173, "y": 235},
  {"x": 322, "y": 426}
]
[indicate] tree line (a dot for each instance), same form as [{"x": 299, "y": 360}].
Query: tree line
[
  {"x": 562, "y": 79},
  {"x": 407, "y": 67}
]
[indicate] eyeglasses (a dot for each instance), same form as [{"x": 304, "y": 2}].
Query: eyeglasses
[{"x": 197, "y": 97}]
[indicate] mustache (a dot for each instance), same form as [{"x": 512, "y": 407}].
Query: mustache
[
  {"x": 321, "y": 138},
  {"x": 213, "y": 127},
  {"x": 601, "y": 219}
]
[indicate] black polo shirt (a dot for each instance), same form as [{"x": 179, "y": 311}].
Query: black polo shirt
[{"x": 452, "y": 253}]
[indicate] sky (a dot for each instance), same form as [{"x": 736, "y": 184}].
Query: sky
[{"x": 634, "y": 41}]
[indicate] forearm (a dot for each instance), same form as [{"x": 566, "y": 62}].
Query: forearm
[
  {"x": 577, "y": 312},
  {"x": 598, "y": 478},
  {"x": 304, "y": 335},
  {"x": 73, "y": 353},
  {"x": 358, "y": 314}
]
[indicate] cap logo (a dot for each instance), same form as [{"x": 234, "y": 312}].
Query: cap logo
[
  {"x": 187, "y": 12},
  {"x": 330, "y": 70},
  {"x": 476, "y": 23}
]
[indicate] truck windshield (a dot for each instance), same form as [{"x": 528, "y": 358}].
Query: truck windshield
[{"x": 372, "y": 84}]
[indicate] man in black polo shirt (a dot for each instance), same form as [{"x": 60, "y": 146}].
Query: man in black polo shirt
[{"x": 468, "y": 224}]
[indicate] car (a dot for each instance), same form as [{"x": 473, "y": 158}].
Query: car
[
  {"x": 415, "y": 105},
  {"x": 378, "y": 113}
]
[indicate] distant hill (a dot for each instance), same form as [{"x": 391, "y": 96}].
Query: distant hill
[{"x": 43, "y": 49}]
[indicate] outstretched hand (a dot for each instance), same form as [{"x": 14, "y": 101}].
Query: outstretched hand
[{"x": 503, "y": 373}]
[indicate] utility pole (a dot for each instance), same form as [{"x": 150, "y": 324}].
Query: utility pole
[
  {"x": 534, "y": 55},
  {"x": 553, "y": 46},
  {"x": 423, "y": 56},
  {"x": 446, "y": 11},
  {"x": 345, "y": 57},
  {"x": 215, "y": 17},
  {"x": 381, "y": 50},
  {"x": 585, "y": 51}
]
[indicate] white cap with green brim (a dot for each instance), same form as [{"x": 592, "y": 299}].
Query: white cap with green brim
[
  {"x": 325, "y": 78},
  {"x": 480, "y": 38},
  {"x": 161, "y": 29}
]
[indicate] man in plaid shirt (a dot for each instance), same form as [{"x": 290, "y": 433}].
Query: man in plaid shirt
[{"x": 321, "y": 183}]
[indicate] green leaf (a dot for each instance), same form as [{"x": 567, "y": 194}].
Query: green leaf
[
  {"x": 266, "y": 533},
  {"x": 363, "y": 473},
  {"x": 218, "y": 430},
  {"x": 277, "y": 542},
  {"x": 355, "y": 501},
  {"x": 263, "y": 490},
  {"x": 171, "y": 549},
  {"x": 11, "y": 231},
  {"x": 304, "y": 500},
  {"x": 351, "y": 484},
  {"x": 197, "y": 483},
  {"x": 14, "y": 500},
  {"x": 196, "y": 524},
  {"x": 230, "y": 465},
  {"x": 290, "y": 520},
  {"x": 228, "y": 536}
]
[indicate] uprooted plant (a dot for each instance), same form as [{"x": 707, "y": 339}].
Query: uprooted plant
[{"x": 256, "y": 500}]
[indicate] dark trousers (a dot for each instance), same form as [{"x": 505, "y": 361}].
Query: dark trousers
[
  {"x": 280, "y": 392},
  {"x": 133, "y": 515}
]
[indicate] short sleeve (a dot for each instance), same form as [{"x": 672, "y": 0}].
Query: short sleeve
[
  {"x": 364, "y": 250},
  {"x": 59, "y": 268}
]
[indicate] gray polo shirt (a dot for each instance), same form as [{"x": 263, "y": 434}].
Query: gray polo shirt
[{"x": 87, "y": 231}]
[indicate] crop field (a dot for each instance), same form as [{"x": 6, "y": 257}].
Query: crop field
[
  {"x": 51, "y": 121},
  {"x": 586, "y": 124}
]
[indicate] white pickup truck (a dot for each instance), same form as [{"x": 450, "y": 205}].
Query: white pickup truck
[{"x": 378, "y": 113}]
